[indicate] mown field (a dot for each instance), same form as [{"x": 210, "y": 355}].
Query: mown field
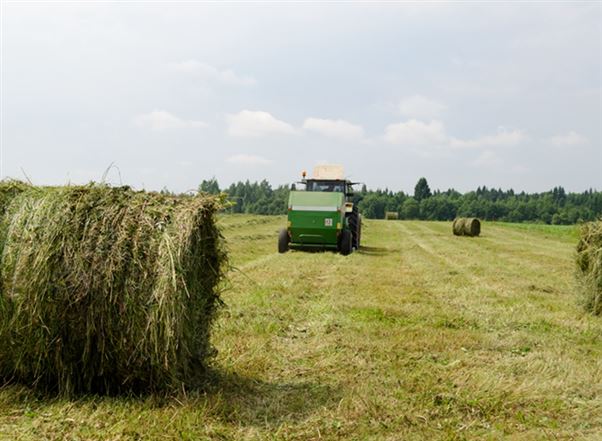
[{"x": 419, "y": 335}]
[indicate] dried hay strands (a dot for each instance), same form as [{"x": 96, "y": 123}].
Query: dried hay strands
[
  {"x": 105, "y": 289},
  {"x": 589, "y": 266}
]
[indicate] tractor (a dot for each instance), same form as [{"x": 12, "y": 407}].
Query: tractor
[{"x": 323, "y": 215}]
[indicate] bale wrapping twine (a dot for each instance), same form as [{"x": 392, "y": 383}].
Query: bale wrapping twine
[
  {"x": 589, "y": 266},
  {"x": 466, "y": 226},
  {"x": 106, "y": 289}
]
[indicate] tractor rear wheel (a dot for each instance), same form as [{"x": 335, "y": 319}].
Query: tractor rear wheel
[
  {"x": 346, "y": 246},
  {"x": 283, "y": 241},
  {"x": 355, "y": 225},
  {"x": 359, "y": 231}
]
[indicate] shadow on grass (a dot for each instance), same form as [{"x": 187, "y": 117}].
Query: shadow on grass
[
  {"x": 250, "y": 401},
  {"x": 313, "y": 249},
  {"x": 375, "y": 251},
  {"x": 228, "y": 397},
  {"x": 369, "y": 251}
]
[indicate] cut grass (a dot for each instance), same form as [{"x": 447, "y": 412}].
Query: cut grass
[{"x": 420, "y": 335}]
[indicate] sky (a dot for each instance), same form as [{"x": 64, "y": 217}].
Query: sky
[{"x": 164, "y": 95}]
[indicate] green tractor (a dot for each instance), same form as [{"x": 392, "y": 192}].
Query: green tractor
[{"x": 322, "y": 216}]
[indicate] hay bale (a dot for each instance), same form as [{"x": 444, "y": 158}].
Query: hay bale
[
  {"x": 391, "y": 215},
  {"x": 466, "y": 226},
  {"x": 9, "y": 189},
  {"x": 458, "y": 226},
  {"x": 589, "y": 266},
  {"x": 107, "y": 289}
]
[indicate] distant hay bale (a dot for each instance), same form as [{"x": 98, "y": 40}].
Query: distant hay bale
[
  {"x": 391, "y": 215},
  {"x": 466, "y": 226},
  {"x": 106, "y": 289},
  {"x": 458, "y": 227},
  {"x": 589, "y": 266}
]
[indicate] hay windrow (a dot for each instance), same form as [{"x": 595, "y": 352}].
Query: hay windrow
[
  {"x": 107, "y": 289},
  {"x": 589, "y": 266}
]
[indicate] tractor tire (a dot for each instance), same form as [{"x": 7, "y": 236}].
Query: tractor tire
[
  {"x": 283, "y": 240},
  {"x": 355, "y": 225},
  {"x": 346, "y": 246},
  {"x": 359, "y": 231}
]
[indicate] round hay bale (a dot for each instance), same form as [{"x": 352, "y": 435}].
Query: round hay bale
[
  {"x": 470, "y": 226},
  {"x": 589, "y": 266},
  {"x": 107, "y": 289},
  {"x": 458, "y": 227},
  {"x": 9, "y": 189}
]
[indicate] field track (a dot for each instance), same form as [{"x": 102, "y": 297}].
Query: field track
[{"x": 419, "y": 335}]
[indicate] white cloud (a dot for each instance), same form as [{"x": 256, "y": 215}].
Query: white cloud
[
  {"x": 211, "y": 73},
  {"x": 160, "y": 120},
  {"x": 416, "y": 133},
  {"x": 569, "y": 139},
  {"x": 334, "y": 128},
  {"x": 486, "y": 158},
  {"x": 418, "y": 106},
  {"x": 249, "y": 123},
  {"x": 503, "y": 138},
  {"x": 243, "y": 159},
  {"x": 431, "y": 139}
]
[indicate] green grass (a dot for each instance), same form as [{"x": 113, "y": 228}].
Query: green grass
[
  {"x": 568, "y": 231},
  {"x": 420, "y": 335}
]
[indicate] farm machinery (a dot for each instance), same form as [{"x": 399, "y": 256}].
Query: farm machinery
[{"x": 323, "y": 214}]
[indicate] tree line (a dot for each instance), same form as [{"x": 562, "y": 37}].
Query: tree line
[{"x": 552, "y": 207}]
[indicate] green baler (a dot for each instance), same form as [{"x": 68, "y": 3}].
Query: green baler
[{"x": 322, "y": 216}]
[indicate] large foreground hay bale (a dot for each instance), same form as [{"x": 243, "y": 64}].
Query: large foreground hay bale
[
  {"x": 107, "y": 289},
  {"x": 9, "y": 189},
  {"x": 466, "y": 226},
  {"x": 589, "y": 266}
]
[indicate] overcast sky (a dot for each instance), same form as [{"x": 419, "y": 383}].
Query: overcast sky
[{"x": 503, "y": 95}]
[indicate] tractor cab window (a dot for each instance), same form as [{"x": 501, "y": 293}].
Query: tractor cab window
[{"x": 331, "y": 186}]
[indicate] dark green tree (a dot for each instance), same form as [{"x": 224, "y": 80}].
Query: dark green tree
[
  {"x": 410, "y": 209},
  {"x": 209, "y": 186},
  {"x": 422, "y": 190},
  {"x": 373, "y": 206}
]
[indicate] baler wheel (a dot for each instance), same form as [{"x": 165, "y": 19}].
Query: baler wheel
[
  {"x": 283, "y": 241},
  {"x": 355, "y": 225},
  {"x": 346, "y": 246},
  {"x": 359, "y": 231}
]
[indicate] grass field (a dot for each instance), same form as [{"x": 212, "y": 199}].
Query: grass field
[{"x": 420, "y": 335}]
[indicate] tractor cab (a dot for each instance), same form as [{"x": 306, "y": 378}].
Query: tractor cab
[
  {"x": 329, "y": 178},
  {"x": 322, "y": 215},
  {"x": 335, "y": 186}
]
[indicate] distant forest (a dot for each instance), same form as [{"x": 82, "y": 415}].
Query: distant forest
[{"x": 552, "y": 207}]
